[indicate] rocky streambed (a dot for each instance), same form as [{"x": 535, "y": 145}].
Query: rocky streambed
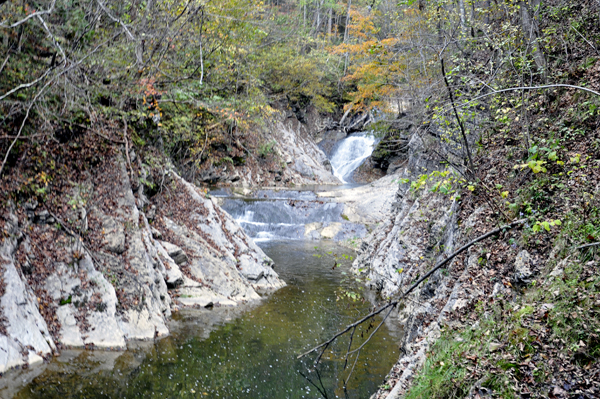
[{"x": 184, "y": 265}]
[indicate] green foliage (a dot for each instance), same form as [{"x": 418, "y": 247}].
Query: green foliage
[{"x": 267, "y": 148}]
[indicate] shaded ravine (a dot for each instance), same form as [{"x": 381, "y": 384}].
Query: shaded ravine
[{"x": 247, "y": 351}]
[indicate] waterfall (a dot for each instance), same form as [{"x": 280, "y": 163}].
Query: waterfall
[
  {"x": 271, "y": 218},
  {"x": 350, "y": 154}
]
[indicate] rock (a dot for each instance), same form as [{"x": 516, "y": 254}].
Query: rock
[
  {"x": 498, "y": 290},
  {"x": 157, "y": 235},
  {"x": 361, "y": 206},
  {"x": 303, "y": 169},
  {"x": 151, "y": 214},
  {"x": 114, "y": 234},
  {"x": 173, "y": 275},
  {"x": 546, "y": 307},
  {"x": 27, "y": 333},
  {"x": 523, "y": 271},
  {"x": 230, "y": 265},
  {"x": 176, "y": 253},
  {"x": 331, "y": 230},
  {"x": 494, "y": 346},
  {"x": 42, "y": 217},
  {"x": 311, "y": 230}
]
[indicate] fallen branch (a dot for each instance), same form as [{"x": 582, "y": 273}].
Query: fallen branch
[
  {"x": 415, "y": 285},
  {"x": 594, "y": 244}
]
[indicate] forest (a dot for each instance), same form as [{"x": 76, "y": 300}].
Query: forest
[{"x": 505, "y": 94}]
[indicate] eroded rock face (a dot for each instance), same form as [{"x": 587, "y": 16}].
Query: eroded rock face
[
  {"x": 224, "y": 266},
  {"x": 25, "y": 339},
  {"x": 118, "y": 282}
]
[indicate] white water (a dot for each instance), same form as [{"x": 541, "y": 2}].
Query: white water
[{"x": 350, "y": 154}]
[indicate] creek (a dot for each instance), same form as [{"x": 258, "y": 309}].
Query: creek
[{"x": 249, "y": 351}]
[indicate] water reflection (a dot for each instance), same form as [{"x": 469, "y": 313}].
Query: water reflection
[{"x": 245, "y": 352}]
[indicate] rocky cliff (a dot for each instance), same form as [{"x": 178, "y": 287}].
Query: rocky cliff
[{"x": 99, "y": 263}]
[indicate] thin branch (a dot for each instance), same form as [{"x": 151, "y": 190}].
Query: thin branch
[
  {"x": 415, "y": 285},
  {"x": 462, "y": 127},
  {"x": 54, "y": 41},
  {"x": 594, "y": 244},
  {"x": 127, "y": 147},
  {"x": 39, "y": 93},
  {"x": 530, "y": 88},
  {"x": 27, "y": 18},
  {"x": 117, "y": 20},
  {"x": 5, "y": 61},
  {"x": 374, "y": 331},
  {"x": 26, "y": 85}
]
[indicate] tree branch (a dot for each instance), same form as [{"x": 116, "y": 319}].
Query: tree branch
[
  {"x": 415, "y": 285},
  {"x": 462, "y": 127},
  {"x": 27, "y": 18},
  {"x": 594, "y": 244}
]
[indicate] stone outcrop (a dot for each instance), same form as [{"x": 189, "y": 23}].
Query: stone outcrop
[
  {"x": 290, "y": 156},
  {"x": 416, "y": 230},
  {"x": 104, "y": 278},
  {"x": 24, "y": 336}
]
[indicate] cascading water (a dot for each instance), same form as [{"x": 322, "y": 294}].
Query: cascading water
[
  {"x": 282, "y": 215},
  {"x": 350, "y": 154}
]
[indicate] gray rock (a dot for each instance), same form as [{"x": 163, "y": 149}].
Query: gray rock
[
  {"x": 28, "y": 338},
  {"x": 157, "y": 235},
  {"x": 173, "y": 275},
  {"x": 113, "y": 234},
  {"x": 523, "y": 273},
  {"x": 232, "y": 265},
  {"x": 176, "y": 253}
]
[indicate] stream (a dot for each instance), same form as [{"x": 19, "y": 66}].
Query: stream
[{"x": 249, "y": 351}]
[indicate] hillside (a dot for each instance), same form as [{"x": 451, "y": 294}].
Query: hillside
[{"x": 117, "y": 118}]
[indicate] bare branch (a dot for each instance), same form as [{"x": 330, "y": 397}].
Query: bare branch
[
  {"x": 412, "y": 287},
  {"x": 117, "y": 20},
  {"x": 27, "y": 18},
  {"x": 529, "y": 88},
  {"x": 26, "y": 85},
  {"x": 40, "y": 92},
  {"x": 594, "y": 244}
]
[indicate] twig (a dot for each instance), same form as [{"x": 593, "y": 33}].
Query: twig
[
  {"x": 127, "y": 147},
  {"x": 594, "y": 244},
  {"x": 35, "y": 14},
  {"x": 586, "y": 40},
  {"x": 415, "y": 285},
  {"x": 349, "y": 347},
  {"x": 40, "y": 93},
  {"x": 462, "y": 127},
  {"x": 530, "y": 88},
  {"x": 72, "y": 234}
]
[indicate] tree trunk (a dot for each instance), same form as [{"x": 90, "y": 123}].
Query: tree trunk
[
  {"x": 463, "y": 17},
  {"x": 348, "y": 21},
  {"x": 329, "y": 23},
  {"x": 529, "y": 25}
]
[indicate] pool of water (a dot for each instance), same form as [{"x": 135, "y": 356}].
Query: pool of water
[{"x": 244, "y": 352}]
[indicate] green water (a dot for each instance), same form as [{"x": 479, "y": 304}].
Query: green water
[{"x": 245, "y": 352}]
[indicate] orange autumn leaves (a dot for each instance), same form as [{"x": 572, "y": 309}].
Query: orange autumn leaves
[{"x": 373, "y": 66}]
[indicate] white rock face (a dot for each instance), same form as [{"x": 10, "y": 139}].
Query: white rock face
[
  {"x": 116, "y": 288},
  {"x": 24, "y": 324},
  {"x": 368, "y": 204},
  {"x": 306, "y": 159},
  {"x": 103, "y": 331},
  {"x": 231, "y": 266}
]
